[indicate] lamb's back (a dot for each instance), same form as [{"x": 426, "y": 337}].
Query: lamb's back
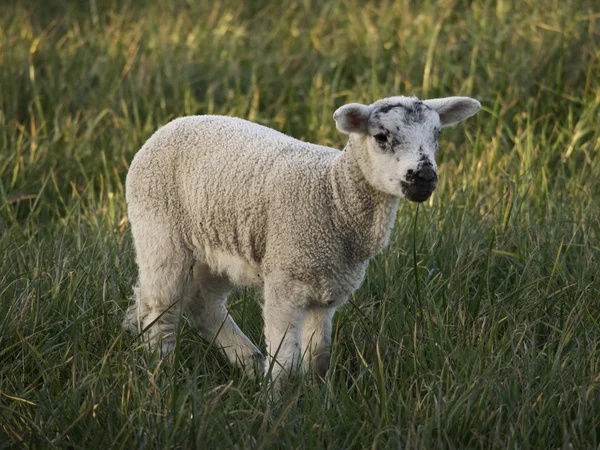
[{"x": 223, "y": 177}]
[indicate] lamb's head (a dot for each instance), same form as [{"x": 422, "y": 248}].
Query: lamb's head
[{"x": 397, "y": 138}]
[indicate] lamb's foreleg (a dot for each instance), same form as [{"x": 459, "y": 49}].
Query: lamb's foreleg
[
  {"x": 284, "y": 312},
  {"x": 316, "y": 339}
]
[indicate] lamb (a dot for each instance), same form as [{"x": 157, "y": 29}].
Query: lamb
[{"x": 216, "y": 202}]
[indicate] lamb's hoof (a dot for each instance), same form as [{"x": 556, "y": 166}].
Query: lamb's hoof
[
  {"x": 258, "y": 363},
  {"x": 130, "y": 322},
  {"x": 253, "y": 365},
  {"x": 166, "y": 347},
  {"x": 281, "y": 378},
  {"x": 157, "y": 346},
  {"x": 320, "y": 364}
]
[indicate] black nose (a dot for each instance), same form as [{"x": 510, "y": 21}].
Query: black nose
[{"x": 426, "y": 173}]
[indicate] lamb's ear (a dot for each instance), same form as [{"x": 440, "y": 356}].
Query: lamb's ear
[
  {"x": 352, "y": 118},
  {"x": 453, "y": 109}
]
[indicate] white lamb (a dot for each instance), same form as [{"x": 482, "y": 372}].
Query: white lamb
[{"x": 217, "y": 202}]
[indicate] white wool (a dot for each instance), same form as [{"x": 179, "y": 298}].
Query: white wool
[{"x": 216, "y": 202}]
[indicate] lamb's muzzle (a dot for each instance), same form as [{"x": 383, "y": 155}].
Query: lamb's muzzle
[{"x": 419, "y": 185}]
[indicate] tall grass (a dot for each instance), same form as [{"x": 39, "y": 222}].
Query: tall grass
[{"x": 476, "y": 328}]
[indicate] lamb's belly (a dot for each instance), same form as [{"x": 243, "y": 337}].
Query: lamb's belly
[{"x": 236, "y": 268}]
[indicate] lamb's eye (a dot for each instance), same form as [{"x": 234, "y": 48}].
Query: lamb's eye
[{"x": 381, "y": 138}]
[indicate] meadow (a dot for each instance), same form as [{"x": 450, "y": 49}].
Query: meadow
[{"x": 478, "y": 327}]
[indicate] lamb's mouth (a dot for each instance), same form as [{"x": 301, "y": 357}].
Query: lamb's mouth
[{"x": 418, "y": 191}]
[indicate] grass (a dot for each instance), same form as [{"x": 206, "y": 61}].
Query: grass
[{"x": 478, "y": 327}]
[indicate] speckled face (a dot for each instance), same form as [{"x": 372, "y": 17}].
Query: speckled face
[{"x": 402, "y": 138}]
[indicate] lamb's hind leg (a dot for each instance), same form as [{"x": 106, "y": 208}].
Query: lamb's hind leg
[
  {"x": 164, "y": 265},
  {"x": 205, "y": 305}
]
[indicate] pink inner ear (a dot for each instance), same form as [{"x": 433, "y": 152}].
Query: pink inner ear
[{"x": 355, "y": 120}]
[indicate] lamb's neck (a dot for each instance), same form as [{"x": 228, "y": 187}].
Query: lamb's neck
[{"x": 364, "y": 214}]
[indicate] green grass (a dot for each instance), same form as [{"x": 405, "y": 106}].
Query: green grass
[{"x": 478, "y": 327}]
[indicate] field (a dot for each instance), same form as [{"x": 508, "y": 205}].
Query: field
[{"x": 478, "y": 327}]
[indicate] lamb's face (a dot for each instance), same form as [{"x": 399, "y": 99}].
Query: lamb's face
[
  {"x": 401, "y": 141},
  {"x": 400, "y": 138}
]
